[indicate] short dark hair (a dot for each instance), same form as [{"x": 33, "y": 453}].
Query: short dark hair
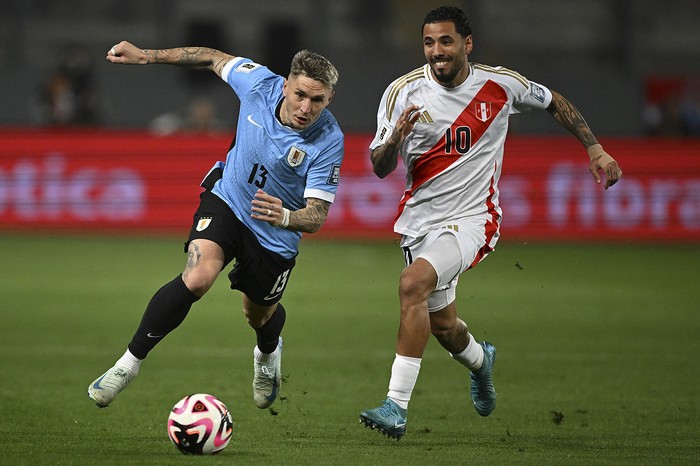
[{"x": 449, "y": 13}]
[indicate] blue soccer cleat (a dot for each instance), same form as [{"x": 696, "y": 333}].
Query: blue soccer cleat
[
  {"x": 483, "y": 392},
  {"x": 389, "y": 419}
]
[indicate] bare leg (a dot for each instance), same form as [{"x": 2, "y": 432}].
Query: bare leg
[{"x": 417, "y": 282}]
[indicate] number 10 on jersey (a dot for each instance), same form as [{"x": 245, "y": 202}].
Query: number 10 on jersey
[{"x": 458, "y": 139}]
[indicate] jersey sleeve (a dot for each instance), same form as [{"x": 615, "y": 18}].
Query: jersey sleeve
[
  {"x": 533, "y": 97},
  {"x": 385, "y": 120},
  {"x": 324, "y": 175},
  {"x": 242, "y": 74}
]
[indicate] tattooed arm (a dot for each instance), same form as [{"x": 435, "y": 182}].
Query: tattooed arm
[
  {"x": 570, "y": 118},
  {"x": 126, "y": 53},
  {"x": 308, "y": 220}
]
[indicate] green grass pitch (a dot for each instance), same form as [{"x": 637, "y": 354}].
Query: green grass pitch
[{"x": 598, "y": 357}]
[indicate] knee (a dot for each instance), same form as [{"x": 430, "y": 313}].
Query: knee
[
  {"x": 257, "y": 315},
  {"x": 412, "y": 288},
  {"x": 447, "y": 327},
  {"x": 441, "y": 329},
  {"x": 205, "y": 259},
  {"x": 199, "y": 280}
]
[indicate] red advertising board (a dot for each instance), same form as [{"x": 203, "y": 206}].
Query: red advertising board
[
  {"x": 114, "y": 181},
  {"x": 102, "y": 180}
]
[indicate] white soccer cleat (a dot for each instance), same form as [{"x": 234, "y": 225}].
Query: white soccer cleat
[
  {"x": 106, "y": 388},
  {"x": 267, "y": 377}
]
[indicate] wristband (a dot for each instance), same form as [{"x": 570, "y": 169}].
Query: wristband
[
  {"x": 597, "y": 154},
  {"x": 285, "y": 218},
  {"x": 595, "y": 151}
]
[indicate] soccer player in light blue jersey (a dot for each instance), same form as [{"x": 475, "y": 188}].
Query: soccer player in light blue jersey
[{"x": 278, "y": 181}]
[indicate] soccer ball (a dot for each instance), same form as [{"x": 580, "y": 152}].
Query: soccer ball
[{"x": 200, "y": 424}]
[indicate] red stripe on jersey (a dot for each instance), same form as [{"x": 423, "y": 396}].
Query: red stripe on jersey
[
  {"x": 474, "y": 116},
  {"x": 491, "y": 226}
]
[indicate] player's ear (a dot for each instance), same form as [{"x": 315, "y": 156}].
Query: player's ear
[
  {"x": 468, "y": 45},
  {"x": 330, "y": 97},
  {"x": 284, "y": 88}
]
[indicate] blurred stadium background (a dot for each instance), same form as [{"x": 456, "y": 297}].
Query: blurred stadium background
[
  {"x": 69, "y": 118},
  {"x": 609, "y": 56}
]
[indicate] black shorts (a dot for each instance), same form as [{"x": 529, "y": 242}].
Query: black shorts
[{"x": 259, "y": 273}]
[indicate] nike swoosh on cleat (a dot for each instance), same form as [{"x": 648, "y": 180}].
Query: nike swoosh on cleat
[
  {"x": 273, "y": 394},
  {"x": 399, "y": 425},
  {"x": 150, "y": 335},
  {"x": 96, "y": 385},
  {"x": 250, "y": 118}
]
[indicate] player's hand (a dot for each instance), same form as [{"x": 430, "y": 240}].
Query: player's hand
[
  {"x": 601, "y": 160},
  {"x": 126, "y": 53},
  {"x": 267, "y": 208},
  {"x": 404, "y": 125}
]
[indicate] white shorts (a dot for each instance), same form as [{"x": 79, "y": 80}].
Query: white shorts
[{"x": 451, "y": 250}]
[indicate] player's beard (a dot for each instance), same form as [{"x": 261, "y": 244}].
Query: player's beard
[{"x": 445, "y": 76}]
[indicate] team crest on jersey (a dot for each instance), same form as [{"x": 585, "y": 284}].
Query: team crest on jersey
[
  {"x": 483, "y": 110},
  {"x": 295, "y": 156},
  {"x": 247, "y": 67},
  {"x": 203, "y": 223}
]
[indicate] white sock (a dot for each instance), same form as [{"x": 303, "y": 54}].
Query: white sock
[
  {"x": 129, "y": 361},
  {"x": 404, "y": 373},
  {"x": 264, "y": 357},
  {"x": 473, "y": 355}
]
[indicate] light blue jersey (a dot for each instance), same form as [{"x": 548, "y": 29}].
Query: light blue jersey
[{"x": 288, "y": 164}]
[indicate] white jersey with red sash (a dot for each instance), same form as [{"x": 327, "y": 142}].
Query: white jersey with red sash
[{"x": 454, "y": 155}]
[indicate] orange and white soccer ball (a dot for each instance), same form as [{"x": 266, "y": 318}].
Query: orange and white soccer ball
[{"x": 200, "y": 424}]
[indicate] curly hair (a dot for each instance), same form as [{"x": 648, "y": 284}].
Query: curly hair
[{"x": 449, "y": 13}]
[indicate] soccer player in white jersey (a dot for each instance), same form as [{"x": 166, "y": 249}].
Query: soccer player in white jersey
[
  {"x": 448, "y": 121},
  {"x": 278, "y": 181}
]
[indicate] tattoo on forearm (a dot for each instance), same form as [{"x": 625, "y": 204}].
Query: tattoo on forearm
[
  {"x": 197, "y": 57},
  {"x": 150, "y": 56},
  {"x": 384, "y": 159},
  {"x": 571, "y": 119},
  {"x": 310, "y": 218},
  {"x": 189, "y": 56},
  {"x": 193, "y": 55}
]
